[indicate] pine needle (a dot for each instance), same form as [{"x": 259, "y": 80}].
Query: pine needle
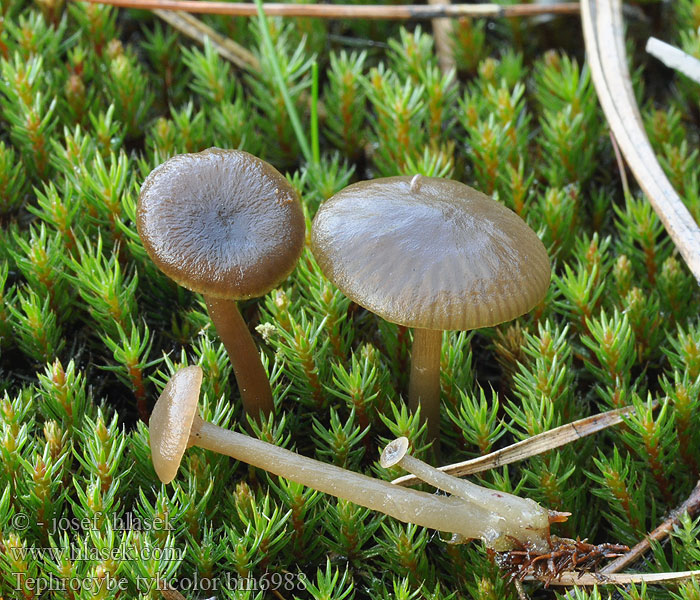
[{"x": 538, "y": 444}]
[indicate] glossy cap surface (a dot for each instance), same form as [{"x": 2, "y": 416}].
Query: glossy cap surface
[
  {"x": 221, "y": 222},
  {"x": 171, "y": 421},
  {"x": 435, "y": 255}
]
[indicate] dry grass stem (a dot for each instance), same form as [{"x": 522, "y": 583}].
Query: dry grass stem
[
  {"x": 620, "y": 165},
  {"x": 590, "y": 579},
  {"x": 195, "y": 29},
  {"x": 538, "y": 444},
  {"x": 605, "y": 48},
  {"x": 674, "y": 58},
  {"x": 691, "y": 506}
]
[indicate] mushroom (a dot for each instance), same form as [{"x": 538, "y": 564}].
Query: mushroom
[
  {"x": 501, "y": 520},
  {"x": 432, "y": 254},
  {"x": 228, "y": 225}
]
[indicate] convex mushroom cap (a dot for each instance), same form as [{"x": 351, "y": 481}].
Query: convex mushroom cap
[
  {"x": 430, "y": 253},
  {"x": 221, "y": 222}
]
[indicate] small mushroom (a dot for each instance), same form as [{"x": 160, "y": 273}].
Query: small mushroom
[
  {"x": 501, "y": 520},
  {"x": 228, "y": 225},
  {"x": 432, "y": 254}
]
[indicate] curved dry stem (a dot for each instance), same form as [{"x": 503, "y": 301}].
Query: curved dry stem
[
  {"x": 537, "y": 444},
  {"x": 243, "y": 353},
  {"x": 424, "y": 384},
  {"x": 605, "y": 49}
]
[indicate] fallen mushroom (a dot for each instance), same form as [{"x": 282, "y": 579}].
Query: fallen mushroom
[
  {"x": 432, "y": 254},
  {"x": 502, "y": 521},
  {"x": 515, "y": 516},
  {"x": 228, "y": 225}
]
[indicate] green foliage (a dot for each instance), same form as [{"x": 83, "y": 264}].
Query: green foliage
[
  {"x": 90, "y": 330},
  {"x": 289, "y": 65},
  {"x": 477, "y": 421},
  {"x": 570, "y": 126},
  {"x": 345, "y": 101},
  {"x": 497, "y": 127}
]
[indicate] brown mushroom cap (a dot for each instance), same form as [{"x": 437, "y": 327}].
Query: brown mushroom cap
[
  {"x": 221, "y": 222},
  {"x": 171, "y": 421},
  {"x": 439, "y": 256}
]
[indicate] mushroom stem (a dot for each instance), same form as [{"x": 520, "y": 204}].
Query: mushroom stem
[
  {"x": 445, "y": 513},
  {"x": 520, "y": 518},
  {"x": 245, "y": 359},
  {"x": 424, "y": 384}
]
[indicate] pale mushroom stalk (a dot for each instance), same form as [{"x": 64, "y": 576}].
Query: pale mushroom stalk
[
  {"x": 517, "y": 518},
  {"x": 424, "y": 383},
  {"x": 501, "y": 520},
  {"x": 444, "y": 513},
  {"x": 251, "y": 376}
]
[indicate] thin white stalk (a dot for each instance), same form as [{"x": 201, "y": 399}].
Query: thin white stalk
[{"x": 507, "y": 515}]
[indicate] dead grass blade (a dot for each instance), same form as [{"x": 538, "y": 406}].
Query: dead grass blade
[
  {"x": 588, "y": 579},
  {"x": 548, "y": 440},
  {"x": 674, "y": 58},
  {"x": 195, "y": 29},
  {"x": 605, "y": 49}
]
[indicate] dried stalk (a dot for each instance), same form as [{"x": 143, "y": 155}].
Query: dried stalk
[
  {"x": 605, "y": 48},
  {"x": 351, "y": 11},
  {"x": 225, "y": 47},
  {"x": 674, "y": 58},
  {"x": 690, "y": 506},
  {"x": 554, "y": 438},
  {"x": 442, "y": 32},
  {"x": 589, "y": 579}
]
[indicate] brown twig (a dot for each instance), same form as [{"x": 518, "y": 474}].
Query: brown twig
[
  {"x": 171, "y": 594},
  {"x": 605, "y": 49},
  {"x": 443, "y": 32},
  {"x": 554, "y": 438},
  {"x": 225, "y": 47},
  {"x": 690, "y": 506},
  {"x": 351, "y": 11}
]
